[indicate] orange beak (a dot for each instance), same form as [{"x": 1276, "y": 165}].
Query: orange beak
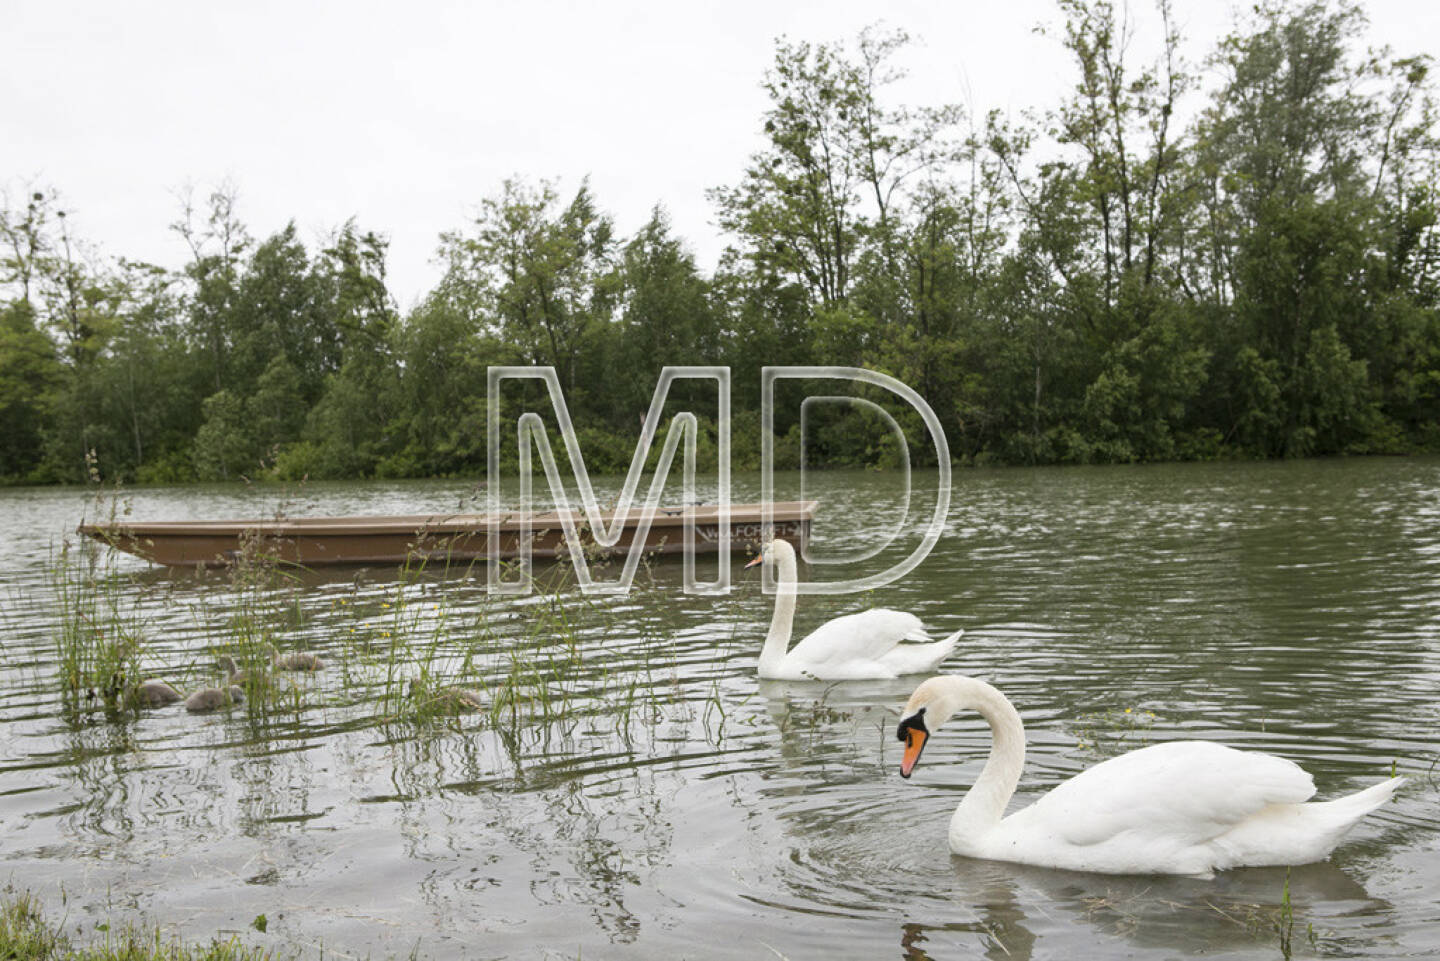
[{"x": 914, "y": 743}]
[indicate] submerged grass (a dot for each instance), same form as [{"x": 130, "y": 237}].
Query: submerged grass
[
  {"x": 1267, "y": 922},
  {"x": 513, "y": 661},
  {"x": 427, "y": 644}
]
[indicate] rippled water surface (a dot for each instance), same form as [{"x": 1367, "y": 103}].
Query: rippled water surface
[{"x": 632, "y": 790}]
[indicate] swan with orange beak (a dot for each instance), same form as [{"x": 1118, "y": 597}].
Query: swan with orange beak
[{"x": 1182, "y": 807}]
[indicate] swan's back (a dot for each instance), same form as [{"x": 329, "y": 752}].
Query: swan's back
[
  {"x": 867, "y": 644},
  {"x": 1185, "y": 807},
  {"x": 1189, "y": 791}
]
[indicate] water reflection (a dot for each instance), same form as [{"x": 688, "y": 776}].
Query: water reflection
[{"x": 1017, "y": 906}]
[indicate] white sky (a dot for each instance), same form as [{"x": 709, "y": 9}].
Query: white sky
[{"x": 405, "y": 115}]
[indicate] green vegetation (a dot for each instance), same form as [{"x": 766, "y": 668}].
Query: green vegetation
[
  {"x": 431, "y": 643},
  {"x": 26, "y": 935},
  {"x": 99, "y": 631},
  {"x": 1285, "y": 925},
  {"x": 1230, "y": 257},
  {"x": 97, "y": 640}
]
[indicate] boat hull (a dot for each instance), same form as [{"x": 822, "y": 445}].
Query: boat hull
[{"x": 434, "y": 538}]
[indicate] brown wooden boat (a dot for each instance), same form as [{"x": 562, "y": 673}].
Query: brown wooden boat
[{"x": 322, "y": 541}]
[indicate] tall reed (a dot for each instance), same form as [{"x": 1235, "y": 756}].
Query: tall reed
[
  {"x": 98, "y": 627},
  {"x": 252, "y": 628}
]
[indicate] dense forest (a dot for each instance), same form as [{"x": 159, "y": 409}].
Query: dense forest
[{"x": 1231, "y": 256}]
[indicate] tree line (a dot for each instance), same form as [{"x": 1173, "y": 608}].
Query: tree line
[{"x": 1235, "y": 257}]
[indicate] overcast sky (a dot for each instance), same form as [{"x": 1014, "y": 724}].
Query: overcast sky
[{"x": 405, "y": 115}]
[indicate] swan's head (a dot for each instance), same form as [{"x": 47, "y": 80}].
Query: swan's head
[
  {"x": 930, "y": 706},
  {"x": 772, "y": 552}
]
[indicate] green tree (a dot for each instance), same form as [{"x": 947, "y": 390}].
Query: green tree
[
  {"x": 1102, "y": 217},
  {"x": 29, "y": 374},
  {"x": 664, "y": 315},
  {"x": 439, "y": 424},
  {"x": 25, "y": 236},
  {"x": 283, "y": 307},
  {"x": 1309, "y": 186},
  {"x": 544, "y": 273},
  {"x": 838, "y": 163},
  {"x": 147, "y": 377},
  {"x": 217, "y": 245},
  {"x": 225, "y": 445}
]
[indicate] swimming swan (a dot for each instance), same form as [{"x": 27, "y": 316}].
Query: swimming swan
[
  {"x": 864, "y": 645},
  {"x": 234, "y": 675},
  {"x": 154, "y": 693},
  {"x": 1185, "y": 807},
  {"x": 294, "y": 661},
  {"x": 214, "y": 698}
]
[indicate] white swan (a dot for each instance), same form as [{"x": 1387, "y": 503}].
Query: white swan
[
  {"x": 1186, "y": 807},
  {"x": 856, "y": 646}
]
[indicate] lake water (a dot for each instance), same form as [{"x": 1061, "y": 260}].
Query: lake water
[{"x": 641, "y": 795}]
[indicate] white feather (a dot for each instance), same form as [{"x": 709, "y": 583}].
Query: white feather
[{"x": 877, "y": 643}]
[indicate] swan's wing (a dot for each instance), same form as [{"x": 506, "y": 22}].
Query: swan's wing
[
  {"x": 866, "y": 636},
  {"x": 1181, "y": 793},
  {"x": 920, "y": 658}
]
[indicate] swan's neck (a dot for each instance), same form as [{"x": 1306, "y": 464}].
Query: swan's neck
[
  {"x": 984, "y": 804},
  {"x": 783, "y": 619}
]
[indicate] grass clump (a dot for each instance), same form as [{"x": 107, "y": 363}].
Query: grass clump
[
  {"x": 98, "y": 629},
  {"x": 25, "y": 935}
]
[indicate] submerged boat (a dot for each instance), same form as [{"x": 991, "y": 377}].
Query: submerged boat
[{"x": 447, "y": 538}]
